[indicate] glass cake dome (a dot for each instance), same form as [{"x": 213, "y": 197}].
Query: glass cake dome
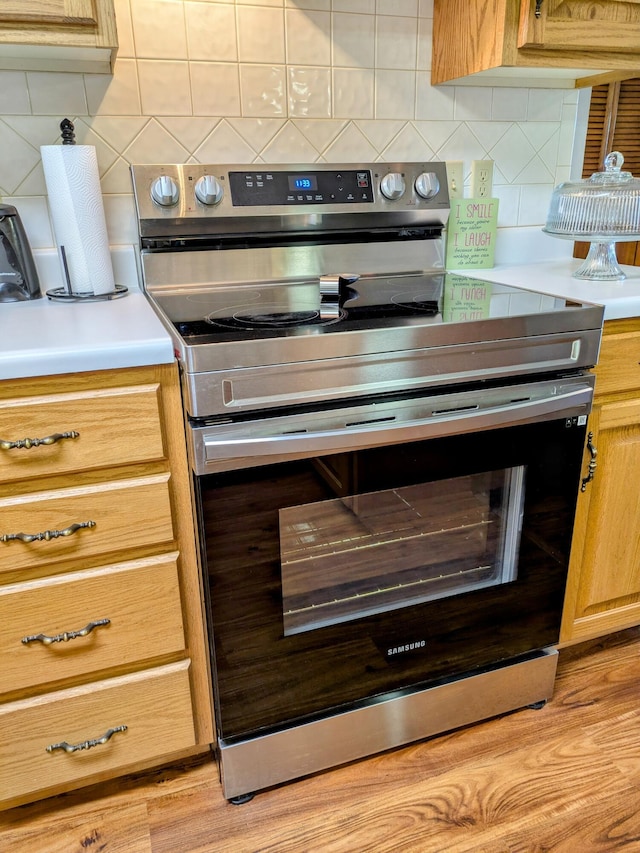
[{"x": 605, "y": 210}]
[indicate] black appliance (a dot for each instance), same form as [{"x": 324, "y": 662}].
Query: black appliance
[{"x": 18, "y": 274}]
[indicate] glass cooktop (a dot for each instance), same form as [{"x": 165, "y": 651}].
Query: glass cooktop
[{"x": 272, "y": 310}]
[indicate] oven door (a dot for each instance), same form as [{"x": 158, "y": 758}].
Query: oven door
[{"x": 418, "y": 551}]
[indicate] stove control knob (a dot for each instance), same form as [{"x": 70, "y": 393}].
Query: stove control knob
[
  {"x": 392, "y": 186},
  {"x": 164, "y": 191},
  {"x": 208, "y": 190},
  {"x": 427, "y": 185}
]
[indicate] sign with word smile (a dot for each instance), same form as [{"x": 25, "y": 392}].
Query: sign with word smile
[{"x": 471, "y": 233}]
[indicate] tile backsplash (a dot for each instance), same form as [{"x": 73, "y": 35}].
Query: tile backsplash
[{"x": 275, "y": 81}]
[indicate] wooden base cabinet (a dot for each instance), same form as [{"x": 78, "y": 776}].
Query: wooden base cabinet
[
  {"x": 102, "y": 635},
  {"x": 603, "y": 591},
  {"x": 498, "y": 40}
]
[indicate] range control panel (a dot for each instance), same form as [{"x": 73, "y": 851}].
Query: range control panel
[
  {"x": 347, "y": 186},
  {"x": 194, "y": 198}
]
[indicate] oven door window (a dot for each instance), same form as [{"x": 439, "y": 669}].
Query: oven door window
[
  {"x": 345, "y": 558},
  {"x": 337, "y": 579}
]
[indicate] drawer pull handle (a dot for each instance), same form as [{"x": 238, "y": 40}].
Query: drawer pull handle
[
  {"x": 66, "y": 635},
  {"x": 592, "y": 464},
  {"x": 47, "y": 534},
  {"x": 27, "y": 443},
  {"x": 87, "y": 744}
]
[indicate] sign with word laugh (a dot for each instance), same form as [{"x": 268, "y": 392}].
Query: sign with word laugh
[{"x": 471, "y": 233}]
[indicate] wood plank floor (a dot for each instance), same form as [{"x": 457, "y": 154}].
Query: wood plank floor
[{"x": 563, "y": 779}]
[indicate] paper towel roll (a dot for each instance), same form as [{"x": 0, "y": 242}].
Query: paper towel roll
[{"x": 77, "y": 211}]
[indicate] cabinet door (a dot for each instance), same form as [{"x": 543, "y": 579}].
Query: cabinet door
[
  {"x": 603, "y": 594},
  {"x": 49, "y": 12},
  {"x": 607, "y": 25}
]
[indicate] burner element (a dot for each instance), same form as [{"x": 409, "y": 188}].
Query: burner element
[
  {"x": 411, "y": 303},
  {"x": 270, "y": 317}
]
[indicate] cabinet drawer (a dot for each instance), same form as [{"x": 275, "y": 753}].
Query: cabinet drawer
[
  {"x": 115, "y": 426},
  {"x": 140, "y": 600},
  {"x": 618, "y": 367},
  {"x": 154, "y": 705},
  {"x": 125, "y": 514}
]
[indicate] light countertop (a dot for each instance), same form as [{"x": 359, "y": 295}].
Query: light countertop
[
  {"x": 42, "y": 337},
  {"x": 620, "y": 298}
]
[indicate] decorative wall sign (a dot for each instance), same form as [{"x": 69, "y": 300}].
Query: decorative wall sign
[{"x": 471, "y": 233}]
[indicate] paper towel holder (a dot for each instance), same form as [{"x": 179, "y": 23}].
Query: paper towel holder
[
  {"x": 66, "y": 293},
  {"x": 60, "y": 294}
]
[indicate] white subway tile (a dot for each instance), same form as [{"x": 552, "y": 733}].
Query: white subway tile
[
  {"x": 158, "y": 29},
  {"x": 320, "y": 5},
  {"x": 308, "y": 37},
  {"x": 362, "y": 7},
  {"x": 395, "y": 8},
  {"x": 215, "y": 88},
  {"x": 509, "y": 104},
  {"x": 395, "y": 94},
  {"x": 309, "y": 92},
  {"x": 260, "y": 34},
  {"x": 396, "y": 42},
  {"x": 114, "y": 95},
  {"x": 353, "y": 40},
  {"x": 211, "y": 32},
  {"x": 14, "y": 93},
  {"x": 56, "y": 94},
  {"x": 425, "y": 27},
  {"x": 263, "y": 90},
  {"x": 472, "y": 103},
  {"x": 164, "y": 87},
  {"x": 545, "y": 104},
  {"x": 353, "y": 90},
  {"x": 534, "y": 203}
]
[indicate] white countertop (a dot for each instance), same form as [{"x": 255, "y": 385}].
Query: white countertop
[
  {"x": 42, "y": 337},
  {"x": 620, "y": 298}
]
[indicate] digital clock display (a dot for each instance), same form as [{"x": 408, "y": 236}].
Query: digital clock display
[{"x": 303, "y": 183}]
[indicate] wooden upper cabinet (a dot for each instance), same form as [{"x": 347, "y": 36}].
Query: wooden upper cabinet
[
  {"x": 58, "y": 35},
  {"x": 66, "y": 12},
  {"x": 580, "y": 24},
  {"x": 541, "y": 42}
]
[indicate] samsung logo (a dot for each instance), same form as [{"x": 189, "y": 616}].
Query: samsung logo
[{"x": 408, "y": 647}]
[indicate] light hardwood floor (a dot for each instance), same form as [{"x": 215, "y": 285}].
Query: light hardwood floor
[{"x": 563, "y": 779}]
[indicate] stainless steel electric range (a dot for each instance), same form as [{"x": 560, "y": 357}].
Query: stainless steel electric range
[{"x": 386, "y": 457}]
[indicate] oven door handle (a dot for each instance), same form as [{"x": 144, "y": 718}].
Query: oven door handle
[{"x": 374, "y": 427}]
